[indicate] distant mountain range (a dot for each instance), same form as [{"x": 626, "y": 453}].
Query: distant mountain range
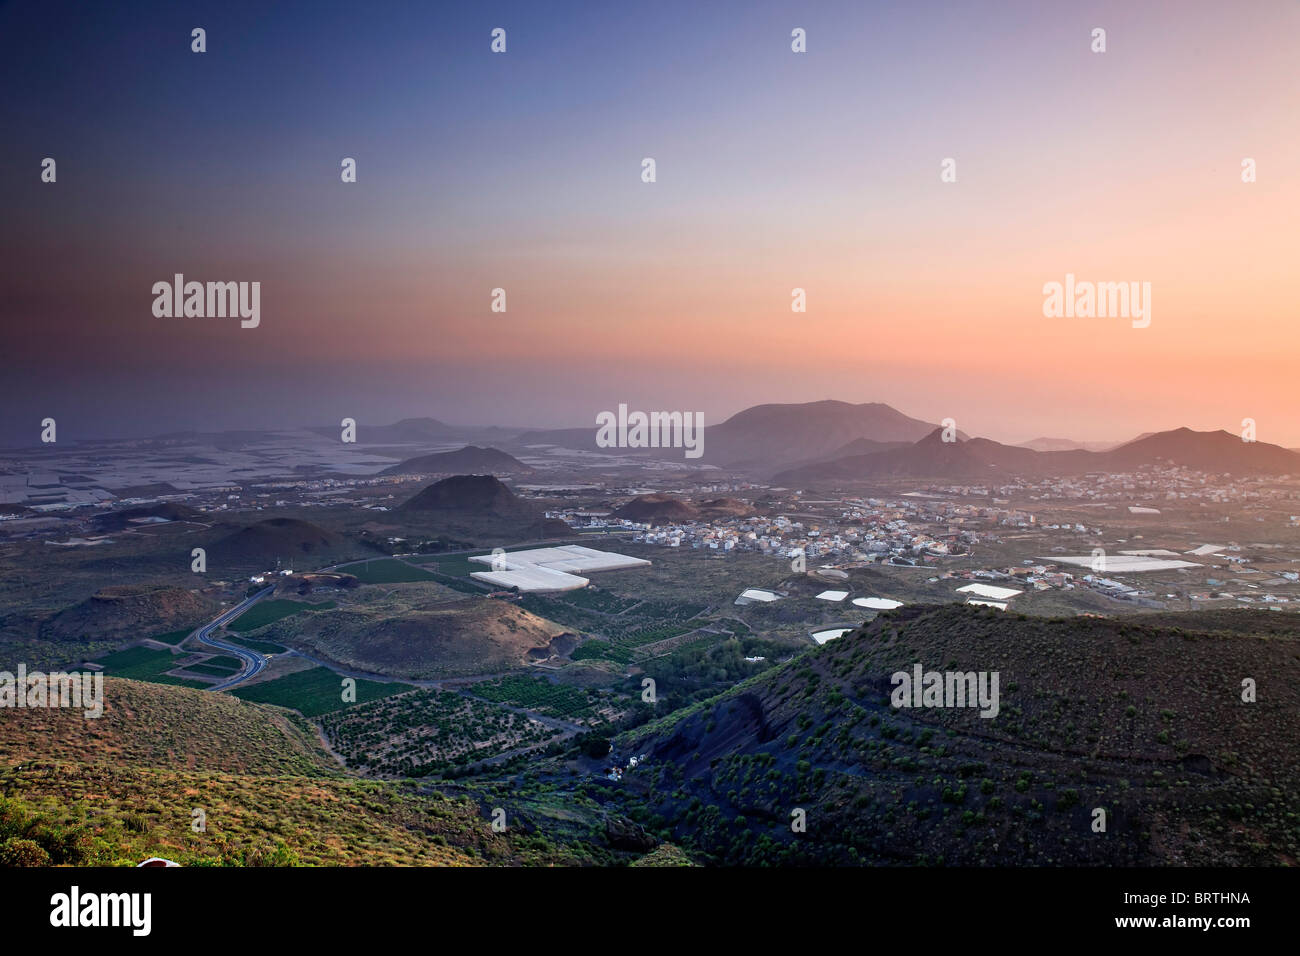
[
  {"x": 833, "y": 440},
  {"x": 767, "y": 436},
  {"x": 1215, "y": 452},
  {"x": 415, "y": 430},
  {"x": 1069, "y": 444}
]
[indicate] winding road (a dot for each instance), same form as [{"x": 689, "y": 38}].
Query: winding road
[{"x": 253, "y": 661}]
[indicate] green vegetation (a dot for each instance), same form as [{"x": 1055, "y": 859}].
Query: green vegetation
[
  {"x": 388, "y": 571},
  {"x": 1216, "y": 783},
  {"x": 262, "y": 647},
  {"x": 224, "y": 661},
  {"x": 212, "y": 670},
  {"x": 314, "y": 692},
  {"x": 644, "y": 623},
  {"x": 599, "y": 650},
  {"x": 593, "y": 599},
  {"x": 147, "y": 664},
  {"x": 457, "y": 565},
  {"x": 116, "y": 790},
  {"x": 151, "y": 724},
  {"x": 172, "y": 637},
  {"x": 540, "y": 695},
  {"x": 268, "y": 612},
  {"x": 701, "y": 668}
]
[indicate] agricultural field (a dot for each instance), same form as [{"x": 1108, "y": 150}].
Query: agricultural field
[
  {"x": 428, "y": 732},
  {"x": 388, "y": 571},
  {"x": 146, "y": 664},
  {"x": 563, "y": 613},
  {"x": 453, "y": 565},
  {"x": 597, "y": 649},
  {"x": 225, "y": 662},
  {"x": 465, "y": 585},
  {"x": 593, "y": 599},
  {"x": 669, "y": 610},
  {"x": 171, "y": 637},
  {"x": 217, "y": 667},
  {"x": 268, "y": 612},
  {"x": 563, "y": 701},
  {"x": 314, "y": 692},
  {"x": 262, "y": 647},
  {"x": 644, "y": 624},
  {"x": 638, "y": 635}
]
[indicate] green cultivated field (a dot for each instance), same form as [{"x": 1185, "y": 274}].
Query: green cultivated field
[
  {"x": 599, "y": 650},
  {"x": 212, "y": 671},
  {"x": 463, "y": 584},
  {"x": 388, "y": 571},
  {"x": 457, "y": 565},
  {"x": 647, "y": 622},
  {"x": 262, "y": 647},
  {"x": 553, "y": 700},
  {"x": 224, "y": 661},
  {"x": 171, "y": 637},
  {"x": 648, "y": 634},
  {"x": 221, "y": 666},
  {"x": 268, "y": 612},
  {"x": 315, "y": 692},
  {"x": 144, "y": 663}
]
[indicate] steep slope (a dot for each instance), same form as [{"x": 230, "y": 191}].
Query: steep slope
[
  {"x": 864, "y": 446},
  {"x": 1205, "y": 451},
  {"x": 129, "y": 611},
  {"x": 150, "y": 726},
  {"x": 478, "y": 507},
  {"x": 469, "y": 495},
  {"x": 288, "y": 540},
  {"x": 126, "y": 786},
  {"x": 1143, "y": 720}
]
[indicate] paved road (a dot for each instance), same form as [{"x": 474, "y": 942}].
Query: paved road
[{"x": 253, "y": 661}]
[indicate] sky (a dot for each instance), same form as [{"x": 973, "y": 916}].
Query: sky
[{"x": 775, "y": 170}]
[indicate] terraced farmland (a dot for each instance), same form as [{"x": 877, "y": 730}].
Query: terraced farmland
[{"x": 428, "y": 732}]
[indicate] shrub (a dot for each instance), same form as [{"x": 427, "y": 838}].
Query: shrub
[{"x": 18, "y": 852}]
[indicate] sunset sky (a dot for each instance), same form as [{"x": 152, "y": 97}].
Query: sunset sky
[{"x": 775, "y": 170}]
